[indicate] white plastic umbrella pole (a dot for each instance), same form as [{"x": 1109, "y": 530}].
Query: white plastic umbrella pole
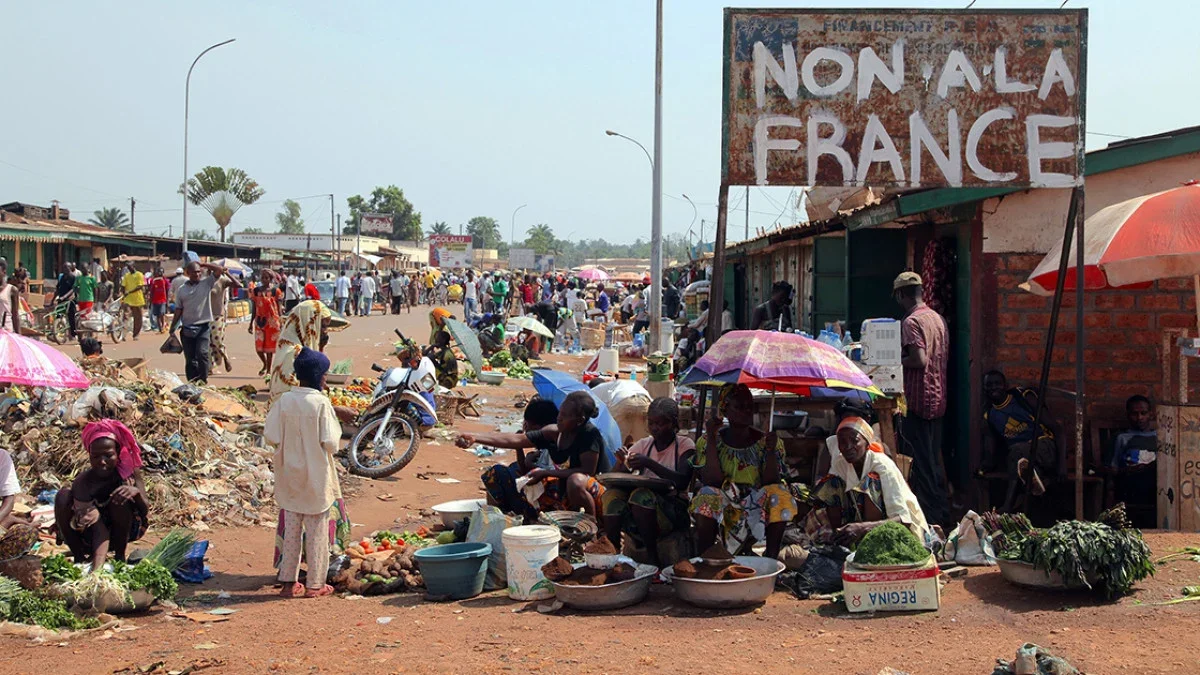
[{"x": 771, "y": 422}]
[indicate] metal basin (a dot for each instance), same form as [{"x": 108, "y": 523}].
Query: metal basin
[
  {"x": 608, "y": 596},
  {"x": 729, "y": 593},
  {"x": 1024, "y": 574}
]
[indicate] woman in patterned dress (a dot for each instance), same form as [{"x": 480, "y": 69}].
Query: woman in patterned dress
[{"x": 264, "y": 319}]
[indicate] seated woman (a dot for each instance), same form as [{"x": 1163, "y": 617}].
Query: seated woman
[
  {"x": 863, "y": 489},
  {"x": 445, "y": 363},
  {"x": 500, "y": 481},
  {"x": 742, "y": 492},
  {"x": 17, "y": 536},
  {"x": 491, "y": 335},
  {"x": 644, "y": 513},
  {"x": 437, "y": 322},
  {"x": 567, "y": 474},
  {"x": 106, "y": 507}
]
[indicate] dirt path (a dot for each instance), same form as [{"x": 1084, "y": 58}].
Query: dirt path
[{"x": 982, "y": 617}]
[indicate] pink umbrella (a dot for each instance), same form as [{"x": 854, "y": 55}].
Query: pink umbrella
[
  {"x": 1133, "y": 243},
  {"x": 593, "y": 274},
  {"x": 785, "y": 362},
  {"x": 29, "y": 362}
]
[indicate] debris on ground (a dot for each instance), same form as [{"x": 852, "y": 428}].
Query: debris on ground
[{"x": 1034, "y": 660}]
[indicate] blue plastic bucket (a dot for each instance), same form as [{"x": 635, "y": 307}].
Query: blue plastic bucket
[{"x": 454, "y": 570}]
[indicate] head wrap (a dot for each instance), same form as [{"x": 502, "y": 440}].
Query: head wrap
[
  {"x": 865, "y": 430},
  {"x": 129, "y": 453},
  {"x": 438, "y": 316},
  {"x": 301, "y": 328},
  {"x": 728, "y": 393},
  {"x": 310, "y": 365}
]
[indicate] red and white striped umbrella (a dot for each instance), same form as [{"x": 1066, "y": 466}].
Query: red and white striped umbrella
[
  {"x": 1132, "y": 243},
  {"x": 26, "y": 361}
]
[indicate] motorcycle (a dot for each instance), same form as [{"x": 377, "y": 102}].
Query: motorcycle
[{"x": 389, "y": 430}]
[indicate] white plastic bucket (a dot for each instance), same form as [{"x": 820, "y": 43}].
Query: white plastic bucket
[
  {"x": 526, "y": 549},
  {"x": 608, "y": 361},
  {"x": 667, "y": 337}
]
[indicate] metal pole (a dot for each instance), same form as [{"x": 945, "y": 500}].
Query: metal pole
[
  {"x": 187, "y": 96},
  {"x": 716, "y": 288},
  {"x": 333, "y": 242},
  {"x": 656, "y": 262},
  {"x": 132, "y": 207},
  {"x": 512, "y": 231},
  {"x": 1079, "y": 345},
  {"x": 746, "y": 236},
  {"x": 340, "y": 258}
]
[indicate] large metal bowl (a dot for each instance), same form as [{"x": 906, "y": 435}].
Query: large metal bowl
[
  {"x": 1024, "y": 574},
  {"x": 729, "y": 593},
  {"x": 608, "y": 596},
  {"x": 457, "y": 510}
]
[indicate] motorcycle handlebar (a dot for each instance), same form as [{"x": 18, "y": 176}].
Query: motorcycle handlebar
[
  {"x": 401, "y": 335},
  {"x": 377, "y": 368}
]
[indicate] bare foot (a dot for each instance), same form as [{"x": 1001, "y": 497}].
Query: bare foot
[
  {"x": 319, "y": 592},
  {"x": 295, "y": 590}
]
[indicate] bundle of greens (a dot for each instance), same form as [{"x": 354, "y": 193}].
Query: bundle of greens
[
  {"x": 56, "y": 569},
  {"x": 342, "y": 367},
  {"x": 1095, "y": 555},
  {"x": 520, "y": 370},
  {"x": 120, "y": 581},
  {"x": 1014, "y": 537},
  {"x": 890, "y": 544},
  {"x": 501, "y": 359},
  {"x": 172, "y": 551},
  {"x": 22, "y": 606}
]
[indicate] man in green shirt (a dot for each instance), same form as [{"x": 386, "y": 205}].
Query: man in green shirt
[
  {"x": 85, "y": 291},
  {"x": 499, "y": 293}
]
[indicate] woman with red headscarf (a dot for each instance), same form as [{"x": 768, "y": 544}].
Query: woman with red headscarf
[{"x": 106, "y": 506}]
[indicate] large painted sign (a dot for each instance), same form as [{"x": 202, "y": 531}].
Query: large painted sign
[
  {"x": 376, "y": 224},
  {"x": 450, "y": 250},
  {"x": 904, "y": 98}
]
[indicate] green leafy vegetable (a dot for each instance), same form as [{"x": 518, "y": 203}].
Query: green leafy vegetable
[
  {"x": 153, "y": 577},
  {"x": 173, "y": 549},
  {"x": 342, "y": 367},
  {"x": 519, "y": 370},
  {"x": 501, "y": 359},
  {"x": 1096, "y": 556},
  {"x": 890, "y": 544},
  {"x": 30, "y": 608},
  {"x": 56, "y": 569}
]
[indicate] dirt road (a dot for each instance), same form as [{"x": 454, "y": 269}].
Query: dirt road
[{"x": 982, "y": 617}]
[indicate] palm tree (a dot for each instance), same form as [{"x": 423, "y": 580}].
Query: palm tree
[
  {"x": 222, "y": 192},
  {"x": 440, "y": 227},
  {"x": 111, "y": 218}
]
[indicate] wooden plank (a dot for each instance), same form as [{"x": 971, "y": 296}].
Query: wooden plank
[
  {"x": 1167, "y": 466},
  {"x": 1188, "y": 469}
]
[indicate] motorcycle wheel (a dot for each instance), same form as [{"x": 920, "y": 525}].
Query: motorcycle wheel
[{"x": 401, "y": 440}]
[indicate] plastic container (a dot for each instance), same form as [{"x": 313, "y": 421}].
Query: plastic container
[
  {"x": 526, "y": 549},
  {"x": 609, "y": 361},
  {"x": 456, "y": 571},
  {"x": 459, "y": 508}
]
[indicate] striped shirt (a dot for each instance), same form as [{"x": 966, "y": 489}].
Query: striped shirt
[{"x": 925, "y": 388}]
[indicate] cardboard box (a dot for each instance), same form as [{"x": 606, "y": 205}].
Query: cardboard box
[
  {"x": 903, "y": 590},
  {"x": 889, "y": 379}
]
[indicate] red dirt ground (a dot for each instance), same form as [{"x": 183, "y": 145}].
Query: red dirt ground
[{"x": 982, "y": 617}]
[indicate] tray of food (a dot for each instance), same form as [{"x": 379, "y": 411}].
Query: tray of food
[
  {"x": 631, "y": 481},
  {"x": 581, "y": 586}
]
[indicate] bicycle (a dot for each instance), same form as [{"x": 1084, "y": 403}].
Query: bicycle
[{"x": 55, "y": 325}]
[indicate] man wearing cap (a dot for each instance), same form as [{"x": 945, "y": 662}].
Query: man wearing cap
[{"x": 925, "y": 353}]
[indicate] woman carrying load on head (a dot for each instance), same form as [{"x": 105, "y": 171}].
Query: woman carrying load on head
[
  {"x": 743, "y": 497},
  {"x": 304, "y": 326},
  {"x": 862, "y": 490}
]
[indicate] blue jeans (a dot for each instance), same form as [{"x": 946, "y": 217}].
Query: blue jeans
[
  {"x": 469, "y": 307},
  {"x": 364, "y": 305},
  {"x": 341, "y": 305}
]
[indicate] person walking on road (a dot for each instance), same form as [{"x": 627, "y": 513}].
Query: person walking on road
[
  {"x": 925, "y": 354},
  {"x": 133, "y": 295},
  {"x": 366, "y": 295},
  {"x": 220, "y": 297},
  {"x": 341, "y": 292},
  {"x": 160, "y": 288},
  {"x": 292, "y": 292},
  {"x": 194, "y": 316}
]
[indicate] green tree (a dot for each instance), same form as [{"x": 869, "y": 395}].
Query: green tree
[
  {"x": 484, "y": 231},
  {"x": 288, "y": 219},
  {"x": 201, "y": 235},
  {"x": 111, "y": 218},
  {"x": 406, "y": 221},
  {"x": 540, "y": 238},
  {"x": 252, "y": 230},
  {"x": 221, "y": 192},
  {"x": 440, "y": 227}
]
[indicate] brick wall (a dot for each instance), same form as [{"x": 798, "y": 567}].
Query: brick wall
[{"x": 1123, "y": 333}]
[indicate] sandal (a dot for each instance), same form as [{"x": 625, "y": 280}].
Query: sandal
[
  {"x": 295, "y": 590},
  {"x": 319, "y": 592}
]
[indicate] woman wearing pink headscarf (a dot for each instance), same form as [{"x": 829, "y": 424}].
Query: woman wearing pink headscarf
[{"x": 106, "y": 507}]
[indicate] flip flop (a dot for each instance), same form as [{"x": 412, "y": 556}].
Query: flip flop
[
  {"x": 295, "y": 590},
  {"x": 319, "y": 592}
]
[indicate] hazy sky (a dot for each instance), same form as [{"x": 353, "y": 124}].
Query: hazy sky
[{"x": 473, "y": 108}]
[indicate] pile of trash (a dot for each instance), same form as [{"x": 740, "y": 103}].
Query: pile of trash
[{"x": 202, "y": 448}]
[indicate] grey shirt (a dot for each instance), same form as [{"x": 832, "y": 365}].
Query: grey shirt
[{"x": 194, "y": 301}]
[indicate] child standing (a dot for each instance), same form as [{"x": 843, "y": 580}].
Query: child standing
[{"x": 304, "y": 429}]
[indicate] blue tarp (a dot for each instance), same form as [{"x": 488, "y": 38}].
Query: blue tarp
[{"x": 555, "y": 385}]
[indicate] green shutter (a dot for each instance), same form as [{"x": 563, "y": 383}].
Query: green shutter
[{"x": 829, "y": 281}]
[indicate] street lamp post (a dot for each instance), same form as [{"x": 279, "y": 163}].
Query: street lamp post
[
  {"x": 694, "y": 214},
  {"x": 512, "y": 231},
  {"x": 187, "y": 95}
]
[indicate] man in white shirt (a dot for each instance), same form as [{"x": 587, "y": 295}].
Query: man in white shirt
[
  {"x": 341, "y": 292},
  {"x": 398, "y": 285},
  {"x": 367, "y": 297},
  {"x": 470, "y": 295},
  {"x": 292, "y": 292}
]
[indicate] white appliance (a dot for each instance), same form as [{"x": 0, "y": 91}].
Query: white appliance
[
  {"x": 889, "y": 379},
  {"x": 881, "y": 343}
]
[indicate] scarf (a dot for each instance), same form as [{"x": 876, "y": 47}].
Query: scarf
[{"x": 129, "y": 453}]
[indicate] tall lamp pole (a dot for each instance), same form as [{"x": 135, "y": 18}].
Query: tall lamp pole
[
  {"x": 187, "y": 95},
  {"x": 694, "y": 214},
  {"x": 512, "y": 232},
  {"x": 656, "y": 259}
]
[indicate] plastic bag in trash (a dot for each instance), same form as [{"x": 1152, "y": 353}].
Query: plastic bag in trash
[
  {"x": 821, "y": 572},
  {"x": 488, "y": 525},
  {"x": 193, "y": 570},
  {"x": 337, "y": 564},
  {"x": 189, "y": 393}
]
